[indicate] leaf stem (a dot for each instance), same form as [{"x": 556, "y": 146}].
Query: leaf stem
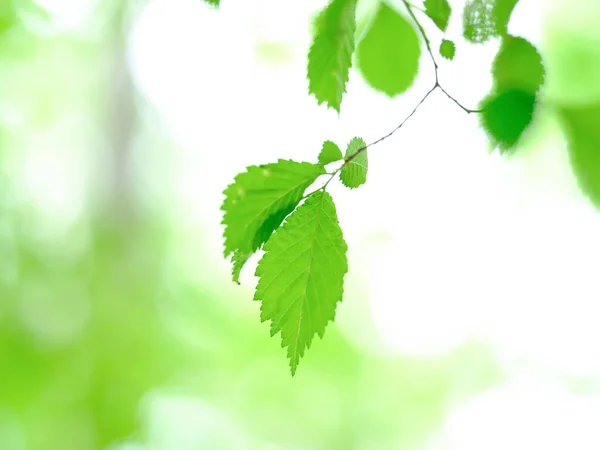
[{"x": 436, "y": 85}]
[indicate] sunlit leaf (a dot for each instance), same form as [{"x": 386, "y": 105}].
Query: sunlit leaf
[
  {"x": 330, "y": 55},
  {"x": 447, "y": 49},
  {"x": 329, "y": 153},
  {"x": 485, "y": 19},
  {"x": 388, "y": 55},
  {"x": 257, "y": 202},
  {"x": 438, "y": 11},
  {"x": 354, "y": 172},
  {"x": 213, "y": 2},
  {"x": 582, "y": 128},
  {"x": 301, "y": 275}
]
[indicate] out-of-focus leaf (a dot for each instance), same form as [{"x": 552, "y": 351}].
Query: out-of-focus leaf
[
  {"x": 582, "y": 128},
  {"x": 506, "y": 115},
  {"x": 330, "y": 55},
  {"x": 518, "y": 65},
  {"x": 447, "y": 49},
  {"x": 388, "y": 55},
  {"x": 438, "y": 11}
]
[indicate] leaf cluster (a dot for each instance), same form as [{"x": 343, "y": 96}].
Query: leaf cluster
[{"x": 302, "y": 270}]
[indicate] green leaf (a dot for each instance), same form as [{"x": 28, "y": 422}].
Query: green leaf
[
  {"x": 329, "y": 153},
  {"x": 301, "y": 275},
  {"x": 330, "y": 55},
  {"x": 238, "y": 259},
  {"x": 354, "y": 172},
  {"x": 502, "y": 12},
  {"x": 485, "y": 19},
  {"x": 506, "y": 115},
  {"x": 447, "y": 49},
  {"x": 438, "y": 11},
  {"x": 478, "y": 21},
  {"x": 257, "y": 202},
  {"x": 388, "y": 55},
  {"x": 582, "y": 129},
  {"x": 213, "y": 2},
  {"x": 518, "y": 65}
]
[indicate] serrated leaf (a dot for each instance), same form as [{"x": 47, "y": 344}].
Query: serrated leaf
[
  {"x": 238, "y": 259},
  {"x": 582, "y": 129},
  {"x": 257, "y": 202},
  {"x": 329, "y": 153},
  {"x": 518, "y": 65},
  {"x": 330, "y": 55},
  {"x": 506, "y": 115},
  {"x": 438, "y": 11},
  {"x": 301, "y": 275},
  {"x": 447, "y": 49},
  {"x": 388, "y": 55},
  {"x": 354, "y": 172}
]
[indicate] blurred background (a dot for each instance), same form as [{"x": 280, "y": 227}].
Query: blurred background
[{"x": 469, "y": 319}]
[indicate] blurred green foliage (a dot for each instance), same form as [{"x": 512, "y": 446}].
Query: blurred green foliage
[{"x": 96, "y": 317}]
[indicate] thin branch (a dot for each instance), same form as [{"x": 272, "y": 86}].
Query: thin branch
[
  {"x": 409, "y": 8},
  {"x": 422, "y": 31},
  {"x": 436, "y": 85},
  {"x": 465, "y": 109},
  {"x": 362, "y": 149}
]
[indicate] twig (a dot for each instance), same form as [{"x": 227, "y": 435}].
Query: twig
[{"x": 436, "y": 85}]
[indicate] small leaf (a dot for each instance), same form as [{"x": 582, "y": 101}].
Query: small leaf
[
  {"x": 257, "y": 202},
  {"x": 518, "y": 65},
  {"x": 215, "y": 3},
  {"x": 438, "y": 11},
  {"x": 447, "y": 49},
  {"x": 388, "y": 56},
  {"x": 506, "y": 115},
  {"x": 330, "y": 55},
  {"x": 301, "y": 275},
  {"x": 354, "y": 172},
  {"x": 582, "y": 129},
  {"x": 329, "y": 153}
]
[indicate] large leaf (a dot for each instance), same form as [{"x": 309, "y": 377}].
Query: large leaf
[
  {"x": 330, "y": 55},
  {"x": 582, "y": 128},
  {"x": 301, "y": 275},
  {"x": 388, "y": 55},
  {"x": 257, "y": 202},
  {"x": 438, "y": 11},
  {"x": 506, "y": 115},
  {"x": 518, "y": 65},
  {"x": 354, "y": 172}
]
